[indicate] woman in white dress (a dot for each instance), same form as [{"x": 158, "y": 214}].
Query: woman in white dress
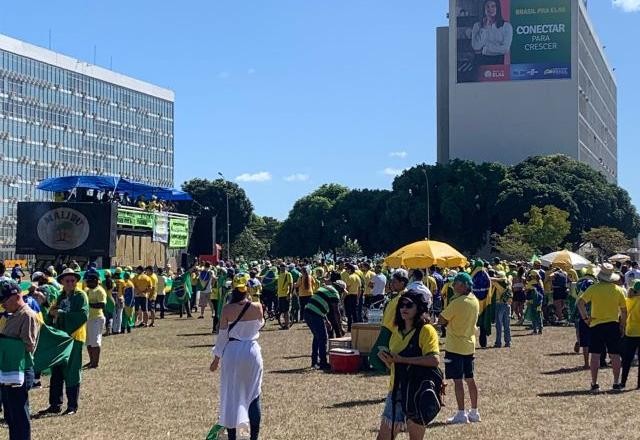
[{"x": 238, "y": 354}]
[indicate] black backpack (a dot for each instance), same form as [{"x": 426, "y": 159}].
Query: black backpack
[{"x": 419, "y": 389}]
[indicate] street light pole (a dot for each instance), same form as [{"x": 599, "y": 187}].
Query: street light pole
[
  {"x": 228, "y": 221},
  {"x": 424, "y": 171}
]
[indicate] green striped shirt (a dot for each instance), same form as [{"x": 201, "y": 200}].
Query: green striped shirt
[{"x": 320, "y": 300}]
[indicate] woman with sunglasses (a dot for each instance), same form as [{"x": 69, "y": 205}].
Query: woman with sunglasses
[{"x": 410, "y": 317}]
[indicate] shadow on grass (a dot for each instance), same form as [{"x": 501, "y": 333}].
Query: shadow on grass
[
  {"x": 292, "y": 371},
  {"x": 567, "y": 353},
  {"x": 186, "y": 335},
  {"x": 355, "y": 403},
  {"x": 568, "y": 393},
  {"x": 564, "y": 371},
  {"x": 200, "y": 346},
  {"x": 288, "y": 358}
]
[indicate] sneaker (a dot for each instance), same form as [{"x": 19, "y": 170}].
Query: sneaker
[
  {"x": 617, "y": 388},
  {"x": 474, "y": 416},
  {"x": 51, "y": 410},
  {"x": 36, "y": 385},
  {"x": 460, "y": 418},
  {"x": 595, "y": 388},
  {"x": 200, "y": 317},
  {"x": 70, "y": 412}
]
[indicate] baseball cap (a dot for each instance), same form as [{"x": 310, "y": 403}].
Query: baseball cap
[
  {"x": 240, "y": 282},
  {"x": 36, "y": 275},
  {"x": 636, "y": 286},
  {"x": 8, "y": 289}
]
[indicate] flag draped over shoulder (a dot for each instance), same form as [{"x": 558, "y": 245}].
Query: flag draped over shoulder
[
  {"x": 483, "y": 291},
  {"x": 129, "y": 311},
  {"x": 180, "y": 291},
  {"x": 54, "y": 348},
  {"x": 13, "y": 361}
]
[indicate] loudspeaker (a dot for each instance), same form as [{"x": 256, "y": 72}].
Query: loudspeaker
[{"x": 203, "y": 236}]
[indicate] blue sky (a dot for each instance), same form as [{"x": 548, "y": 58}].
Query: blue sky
[{"x": 284, "y": 95}]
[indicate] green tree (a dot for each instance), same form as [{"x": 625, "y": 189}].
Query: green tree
[
  {"x": 607, "y": 241},
  {"x": 249, "y": 246},
  {"x": 512, "y": 244},
  {"x": 264, "y": 229},
  {"x": 210, "y": 197}
]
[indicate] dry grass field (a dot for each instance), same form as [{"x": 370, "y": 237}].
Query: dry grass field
[{"x": 155, "y": 384}]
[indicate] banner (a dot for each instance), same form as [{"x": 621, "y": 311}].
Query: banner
[
  {"x": 161, "y": 228},
  {"x": 178, "y": 233},
  {"x": 87, "y": 229},
  {"x": 513, "y": 40},
  {"x": 135, "y": 219}
]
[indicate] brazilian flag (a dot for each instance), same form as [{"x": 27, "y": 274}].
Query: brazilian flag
[
  {"x": 483, "y": 291},
  {"x": 54, "y": 348},
  {"x": 180, "y": 291},
  {"x": 129, "y": 318}
]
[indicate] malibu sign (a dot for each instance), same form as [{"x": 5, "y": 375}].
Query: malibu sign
[{"x": 63, "y": 229}]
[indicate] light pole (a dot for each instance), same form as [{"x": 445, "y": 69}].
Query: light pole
[
  {"x": 228, "y": 221},
  {"x": 424, "y": 171}
]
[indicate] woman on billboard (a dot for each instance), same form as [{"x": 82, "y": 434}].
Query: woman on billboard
[{"x": 491, "y": 38}]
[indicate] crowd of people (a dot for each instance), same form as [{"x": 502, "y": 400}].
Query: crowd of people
[
  {"x": 418, "y": 307},
  {"x": 122, "y": 198}
]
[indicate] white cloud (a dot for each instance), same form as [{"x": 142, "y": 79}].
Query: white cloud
[
  {"x": 400, "y": 154},
  {"x": 297, "y": 178},
  {"x": 262, "y": 176},
  {"x": 392, "y": 171},
  {"x": 627, "y": 5}
]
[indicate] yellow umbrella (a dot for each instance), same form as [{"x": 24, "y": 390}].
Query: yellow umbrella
[{"x": 425, "y": 253}]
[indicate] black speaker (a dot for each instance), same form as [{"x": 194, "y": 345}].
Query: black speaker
[{"x": 202, "y": 236}]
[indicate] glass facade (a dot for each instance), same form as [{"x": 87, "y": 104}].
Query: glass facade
[{"x": 56, "y": 122}]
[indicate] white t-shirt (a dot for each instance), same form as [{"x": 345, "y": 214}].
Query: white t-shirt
[
  {"x": 379, "y": 283},
  {"x": 631, "y": 276},
  {"x": 419, "y": 286}
]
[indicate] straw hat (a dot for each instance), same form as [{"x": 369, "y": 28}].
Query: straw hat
[
  {"x": 608, "y": 274},
  {"x": 68, "y": 272}
]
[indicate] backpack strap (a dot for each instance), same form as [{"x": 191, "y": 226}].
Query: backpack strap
[{"x": 244, "y": 310}]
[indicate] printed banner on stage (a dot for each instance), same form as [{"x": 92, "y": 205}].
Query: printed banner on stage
[
  {"x": 135, "y": 219},
  {"x": 513, "y": 40},
  {"x": 178, "y": 233},
  {"x": 161, "y": 228}
]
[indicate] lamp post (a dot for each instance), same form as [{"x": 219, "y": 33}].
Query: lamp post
[
  {"x": 424, "y": 171},
  {"x": 228, "y": 222}
]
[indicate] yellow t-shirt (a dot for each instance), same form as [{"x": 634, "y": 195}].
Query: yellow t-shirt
[
  {"x": 305, "y": 292},
  {"x": 389, "y": 315},
  {"x": 462, "y": 315},
  {"x": 633, "y": 316},
  {"x": 606, "y": 301},
  {"x": 97, "y": 295},
  {"x": 142, "y": 285},
  {"x": 285, "y": 281},
  {"x": 368, "y": 276},
  {"x": 154, "y": 286},
  {"x": 161, "y": 285},
  {"x": 428, "y": 341},
  {"x": 432, "y": 284},
  {"x": 120, "y": 285},
  {"x": 354, "y": 283}
]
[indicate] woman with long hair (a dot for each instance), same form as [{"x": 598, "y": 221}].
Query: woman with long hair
[
  {"x": 239, "y": 357},
  {"x": 491, "y": 37},
  {"x": 519, "y": 294},
  {"x": 306, "y": 285},
  {"x": 410, "y": 317}
]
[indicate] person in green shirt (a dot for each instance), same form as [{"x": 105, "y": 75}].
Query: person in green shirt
[{"x": 70, "y": 313}]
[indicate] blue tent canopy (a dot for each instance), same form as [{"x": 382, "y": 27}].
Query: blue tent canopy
[{"x": 108, "y": 183}]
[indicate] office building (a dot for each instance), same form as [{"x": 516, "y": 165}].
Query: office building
[
  {"x": 61, "y": 116},
  {"x": 520, "y": 78}
]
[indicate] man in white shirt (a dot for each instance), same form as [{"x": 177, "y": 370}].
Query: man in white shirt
[
  {"x": 378, "y": 285},
  {"x": 632, "y": 275},
  {"x": 418, "y": 286}
]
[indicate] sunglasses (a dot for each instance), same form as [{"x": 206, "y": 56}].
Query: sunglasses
[{"x": 406, "y": 305}]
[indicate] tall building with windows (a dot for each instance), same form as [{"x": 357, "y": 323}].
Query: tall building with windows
[
  {"x": 520, "y": 78},
  {"x": 61, "y": 116}
]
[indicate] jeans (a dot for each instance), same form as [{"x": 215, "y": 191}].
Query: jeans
[
  {"x": 255, "y": 416},
  {"x": 316, "y": 324},
  {"x": 503, "y": 321},
  {"x": 630, "y": 346},
  {"x": 15, "y": 401},
  {"x": 359, "y": 308},
  {"x": 536, "y": 321},
  {"x": 160, "y": 302},
  {"x": 350, "y": 306}
]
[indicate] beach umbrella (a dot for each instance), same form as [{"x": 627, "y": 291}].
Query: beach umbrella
[
  {"x": 425, "y": 253},
  {"x": 565, "y": 259},
  {"x": 619, "y": 258}
]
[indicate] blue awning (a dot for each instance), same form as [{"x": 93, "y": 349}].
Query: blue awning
[{"x": 108, "y": 183}]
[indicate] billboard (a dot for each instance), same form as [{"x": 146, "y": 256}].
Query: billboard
[
  {"x": 513, "y": 40},
  {"x": 85, "y": 229}
]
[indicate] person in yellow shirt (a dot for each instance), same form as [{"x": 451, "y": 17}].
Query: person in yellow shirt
[
  {"x": 285, "y": 288},
  {"x": 631, "y": 341},
  {"x": 460, "y": 317},
  {"x": 97, "y": 301},
  {"x": 354, "y": 290},
  {"x": 306, "y": 285},
  {"x": 367, "y": 278},
  {"x": 413, "y": 342},
  {"x": 143, "y": 285},
  {"x": 161, "y": 293},
  {"x": 153, "y": 294},
  {"x": 607, "y": 322}
]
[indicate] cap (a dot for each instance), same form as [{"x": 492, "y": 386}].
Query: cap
[
  {"x": 340, "y": 285},
  {"x": 118, "y": 270},
  {"x": 464, "y": 278},
  {"x": 91, "y": 274},
  {"x": 8, "y": 288},
  {"x": 417, "y": 297},
  {"x": 636, "y": 286},
  {"x": 36, "y": 275},
  {"x": 240, "y": 282}
]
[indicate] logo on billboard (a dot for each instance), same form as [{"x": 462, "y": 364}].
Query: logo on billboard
[{"x": 63, "y": 229}]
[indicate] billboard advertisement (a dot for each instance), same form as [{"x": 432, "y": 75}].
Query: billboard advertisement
[
  {"x": 86, "y": 229},
  {"x": 513, "y": 40}
]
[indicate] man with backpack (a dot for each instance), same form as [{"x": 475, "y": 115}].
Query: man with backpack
[
  {"x": 460, "y": 317},
  {"x": 560, "y": 285}
]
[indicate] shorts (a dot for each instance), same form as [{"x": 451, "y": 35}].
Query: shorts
[
  {"x": 284, "y": 304},
  {"x": 387, "y": 414},
  {"x": 141, "y": 303},
  {"x": 151, "y": 305},
  {"x": 203, "y": 301},
  {"x": 607, "y": 336},
  {"x": 560, "y": 295},
  {"x": 458, "y": 366},
  {"x": 94, "y": 332},
  {"x": 584, "y": 334}
]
